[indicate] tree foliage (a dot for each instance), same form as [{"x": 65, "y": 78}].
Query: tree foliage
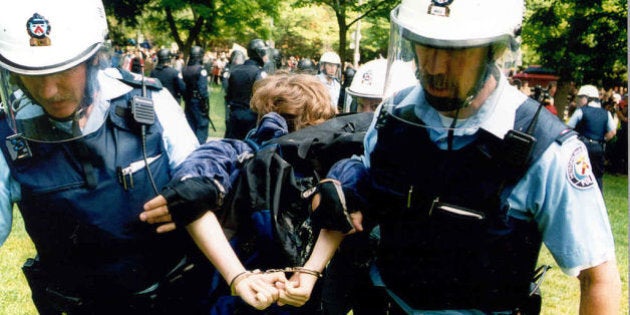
[
  {"x": 348, "y": 12},
  {"x": 584, "y": 41},
  {"x": 207, "y": 23}
]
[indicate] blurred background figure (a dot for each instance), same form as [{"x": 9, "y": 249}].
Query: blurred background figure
[
  {"x": 330, "y": 74},
  {"x": 241, "y": 119},
  {"x": 171, "y": 79},
  {"x": 596, "y": 127},
  {"x": 307, "y": 66},
  {"x": 196, "y": 95}
]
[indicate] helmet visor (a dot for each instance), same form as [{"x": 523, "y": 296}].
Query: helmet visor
[
  {"x": 449, "y": 77},
  {"x": 28, "y": 118}
]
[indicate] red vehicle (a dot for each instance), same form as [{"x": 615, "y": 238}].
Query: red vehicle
[{"x": 536, "y": 75}]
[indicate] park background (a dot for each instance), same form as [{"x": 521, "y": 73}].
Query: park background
[
  {"x": 560, "y": 292},
  {"x": 583, "y": 42}
]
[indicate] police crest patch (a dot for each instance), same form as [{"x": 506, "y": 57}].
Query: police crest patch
[
  {"x": 440, "y": 8},
  {"x": 38, "y": 29},
  {"x": 579, "y": 170}
]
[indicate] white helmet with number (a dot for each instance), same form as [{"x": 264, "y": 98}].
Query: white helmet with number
[
  {"x": 58, "y": 35},
  {"x": 369, "y": 82},
  {"x": 459, "y": 23},
  {"x": 431, "y": 33}
]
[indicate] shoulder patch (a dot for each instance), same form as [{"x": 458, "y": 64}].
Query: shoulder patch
[
  {"x": 204, "y": 73},
  {"x": 579, "y": 170}
]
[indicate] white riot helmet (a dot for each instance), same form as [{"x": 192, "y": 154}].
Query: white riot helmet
[
  {"x": 42, "y": 37},
  {"x": 330, "y": 57},
  {"x": 368, "y": 84},
  {"x": 589, "y": 91},
  {"x": 422, "y": 29},
  {"x": 58, "y": 35}
]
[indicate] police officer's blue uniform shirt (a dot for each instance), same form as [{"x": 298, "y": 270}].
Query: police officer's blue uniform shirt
[
  {"x": 559, "y": 190},
  {"x": 577, "y": 116},
  {"x": 333, "y": 86},
  {"x": 178, "y": 139}
]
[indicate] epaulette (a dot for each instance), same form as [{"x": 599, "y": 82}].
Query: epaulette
[{"x": 136, "y": 80}]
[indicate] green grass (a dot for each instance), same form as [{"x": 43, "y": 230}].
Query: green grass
[
  {"x": 560, "y": 292},
  {"x": 217, "y": 111}
]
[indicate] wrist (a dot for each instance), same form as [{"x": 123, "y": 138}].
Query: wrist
[{"x": 236, "y": 279}]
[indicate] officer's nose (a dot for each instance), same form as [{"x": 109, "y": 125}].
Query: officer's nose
[
  {"x": 435, "y": 61},
  {"x": 47, "y": 87}
]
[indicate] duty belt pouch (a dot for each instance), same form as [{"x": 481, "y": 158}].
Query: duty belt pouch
[{"x": 46, "y": 299}]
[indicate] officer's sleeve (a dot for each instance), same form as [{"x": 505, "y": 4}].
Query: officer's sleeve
[
  {"x": 369, "y": 141},
  {"x": 179, "y": 140},
  {"x": 575, "y": 118},
  {"x": 560, "y": 193},
  {"x": 181, "y": 85},
  {"x": 353, "y": 176},
  {"x": 6, "y": 202},
  {"x": 202, "y": 83},
  {"x": 611, "y": 123}
]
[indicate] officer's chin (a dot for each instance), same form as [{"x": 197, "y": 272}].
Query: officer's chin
[{"x": 443, "y": 104}]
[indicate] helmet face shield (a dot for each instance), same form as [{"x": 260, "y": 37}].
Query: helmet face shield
[
  {"x": 451, "y": 70},
  {"x": 31, "y": 120}
]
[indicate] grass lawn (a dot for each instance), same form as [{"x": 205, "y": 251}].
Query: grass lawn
[{"x": 560, "y": 293}]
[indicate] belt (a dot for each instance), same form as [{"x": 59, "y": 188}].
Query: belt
[{"x": 589, "y": 140}]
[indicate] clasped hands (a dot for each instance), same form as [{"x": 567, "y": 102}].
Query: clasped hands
[{"x": 261, "y": 289}]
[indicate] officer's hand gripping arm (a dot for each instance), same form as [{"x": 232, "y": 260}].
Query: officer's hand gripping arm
[{"x": 332, "y": 205}]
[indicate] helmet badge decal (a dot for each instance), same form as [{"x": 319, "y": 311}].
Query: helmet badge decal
[
  {"x": 38, "y": 28},
  {"x": 440, "y": 8},
  {"x": 368, "y": 78}
]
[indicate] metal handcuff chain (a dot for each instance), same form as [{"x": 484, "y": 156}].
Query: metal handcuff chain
[{"x": 245, "y": 274}]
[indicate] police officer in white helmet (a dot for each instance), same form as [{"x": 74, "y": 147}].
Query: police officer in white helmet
[
  {"x": 367, "y": 89},
  {"x": 595, "y": 125},
  {"x": 467, "y": 177},
  {"x": 84, "y": 146},
  {"x": 330, "y": 75}
]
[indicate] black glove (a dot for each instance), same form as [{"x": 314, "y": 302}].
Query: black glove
[
  {"x": 332, "y": 211},
  {"x": 189, "y": 199}
]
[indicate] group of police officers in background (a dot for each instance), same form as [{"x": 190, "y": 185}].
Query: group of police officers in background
[{"x": 237, "y": 79}]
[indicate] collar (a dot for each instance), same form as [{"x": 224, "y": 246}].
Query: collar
[
  {"x": 110, "y": 78},
  {"x": 594, "y": 104},
  {"x": 496, "y": 115}
]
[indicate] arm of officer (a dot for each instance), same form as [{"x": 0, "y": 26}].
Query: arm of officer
[
  {"x": 256, "y": 289},
  {"x": 611, "y": 128},
  {"x": 600, "y": 289},
  {"x": 6, "y": 205}
]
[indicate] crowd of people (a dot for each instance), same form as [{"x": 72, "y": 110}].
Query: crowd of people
[{"x": 462, "y": 178}]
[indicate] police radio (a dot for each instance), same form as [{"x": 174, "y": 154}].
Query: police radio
[
  {"x": 142, "y": 110},
  {"x": 142, "y": 107},
  {"x": 520, "y": 145},
  {"x": 143, "y": 113}
]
